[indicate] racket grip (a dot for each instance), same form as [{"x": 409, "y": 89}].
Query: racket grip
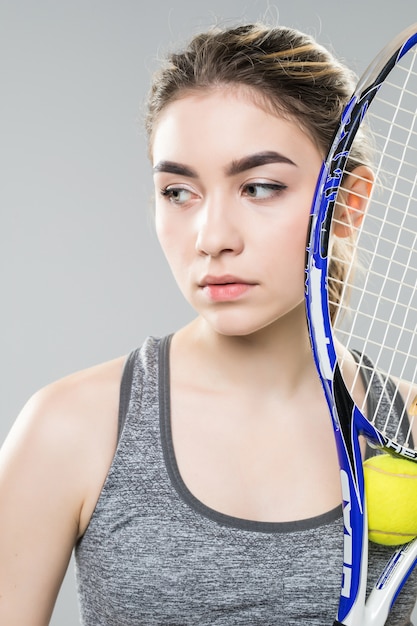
[{"x": 336, "y": 623}]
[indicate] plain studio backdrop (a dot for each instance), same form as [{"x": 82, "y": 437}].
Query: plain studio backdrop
[{"x": 82, "y": 277}]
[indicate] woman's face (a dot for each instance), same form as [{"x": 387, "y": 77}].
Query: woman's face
[{"x": 234, "y": 186}]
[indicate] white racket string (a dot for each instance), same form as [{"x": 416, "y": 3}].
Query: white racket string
[{"x": 376, "y": 297}]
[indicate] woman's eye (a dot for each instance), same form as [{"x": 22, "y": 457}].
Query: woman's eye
[
  {"x": 263, "y": 191},
  {"x": 176, "y": 195}
]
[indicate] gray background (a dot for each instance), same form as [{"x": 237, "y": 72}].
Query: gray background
[{"x": 81, "y": 276}]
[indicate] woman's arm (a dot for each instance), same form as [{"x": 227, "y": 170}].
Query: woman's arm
[{"x": 52, "y": 467}]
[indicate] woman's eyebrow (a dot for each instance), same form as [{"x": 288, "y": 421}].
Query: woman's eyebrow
[
  {"x": 174, "y": 168},
  {"x": 255, "y": 160},
  {"x": 236, "y": 167}
]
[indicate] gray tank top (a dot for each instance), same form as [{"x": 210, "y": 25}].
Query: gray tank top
[{"x": 154, "y": 555}]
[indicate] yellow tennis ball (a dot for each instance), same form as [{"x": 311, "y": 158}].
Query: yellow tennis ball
[{"x": 391, "y": 497}]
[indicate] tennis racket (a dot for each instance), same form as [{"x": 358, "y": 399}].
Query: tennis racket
[{"x": 363, "y": 319}]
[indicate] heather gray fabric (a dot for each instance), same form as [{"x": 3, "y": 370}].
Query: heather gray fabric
[{"x": 155, "y": 555}]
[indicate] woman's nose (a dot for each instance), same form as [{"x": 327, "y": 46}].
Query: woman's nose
[{"x": 219, "y": 230}]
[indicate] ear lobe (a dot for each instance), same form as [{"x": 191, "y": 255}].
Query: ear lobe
[{"x": 353, "y": 200}]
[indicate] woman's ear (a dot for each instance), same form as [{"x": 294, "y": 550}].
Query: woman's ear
[{"x": 353, "y": 200}]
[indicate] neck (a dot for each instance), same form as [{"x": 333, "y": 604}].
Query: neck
[{"x": 278, "y": 356}]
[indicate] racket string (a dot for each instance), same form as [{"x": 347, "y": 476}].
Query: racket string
[{"x": 376, "y": 309}]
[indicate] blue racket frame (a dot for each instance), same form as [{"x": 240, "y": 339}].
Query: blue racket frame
[{"x": 348, "y": 421}]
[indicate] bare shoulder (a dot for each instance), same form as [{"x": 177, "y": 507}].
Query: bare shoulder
[
  {"x": 408, "y": 393},
  {"x": 52, "y": 468},
  {"x": 83, "y": 399},
  {"x": 72, "y": 423},
  {"x": 82, "y": 385}
]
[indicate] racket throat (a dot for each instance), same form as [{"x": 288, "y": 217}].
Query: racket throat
[{"x": 344, "y": 407}]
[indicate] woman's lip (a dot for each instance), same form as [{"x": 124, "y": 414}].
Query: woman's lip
[
  {"x": 226, "y": 279},
  {"x": 226, "y": 292}
]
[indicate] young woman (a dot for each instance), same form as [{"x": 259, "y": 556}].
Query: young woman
[{"x": 197, "y": 479}]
